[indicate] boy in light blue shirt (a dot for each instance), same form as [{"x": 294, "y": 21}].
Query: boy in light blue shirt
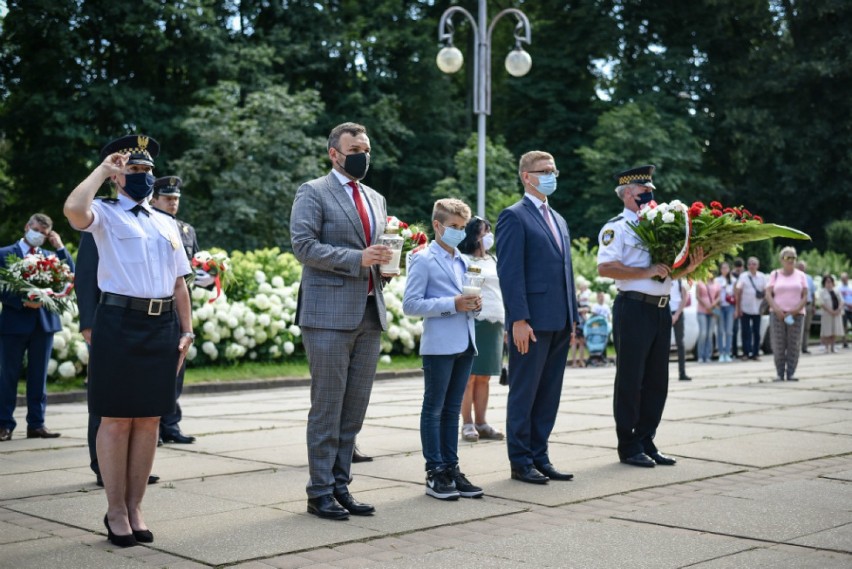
[{"x": 435, "y": 290}]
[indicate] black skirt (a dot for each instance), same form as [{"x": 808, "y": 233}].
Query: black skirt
[{"x": 133, "y": 363}]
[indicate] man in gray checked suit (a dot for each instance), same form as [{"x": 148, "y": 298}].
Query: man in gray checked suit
[{"x": 334, "y": 224}]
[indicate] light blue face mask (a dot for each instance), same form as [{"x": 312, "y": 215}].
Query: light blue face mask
[
  {"x": 546, "y": 184},
  {"x": 452, "y": 236}
]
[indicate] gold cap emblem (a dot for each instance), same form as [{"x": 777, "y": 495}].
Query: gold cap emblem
[{"x": 142, "y": 141}]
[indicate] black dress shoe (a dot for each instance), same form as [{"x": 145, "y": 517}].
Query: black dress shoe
[
  {"x": 119, "y": 540},
  {"x": 143, "y": 535},
  {"x": 153, "y": 479},
  {"x": 41, "y": 433},
  {"x": 529, "y": 474},
  {"x": 550, "y": 471},
  {"x": 177, "y": 437},
  {"x": 327, "y": 507},
  {"x": 660, "y": 458},
  {"x": 639, "y": 459},
  {"x": 684, "y": 378},
  {"x": 358, "y": 457},
  {"x": 354, "y": 507},
  {"x": 5, "y": 435}
]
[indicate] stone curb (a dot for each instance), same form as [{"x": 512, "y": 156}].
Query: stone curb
[{"x": 79, "y": 395}]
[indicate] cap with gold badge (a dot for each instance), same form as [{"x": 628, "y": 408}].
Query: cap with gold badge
[
  {"x": 167, "y": 186},
  {"x": 142, "y": 149}
]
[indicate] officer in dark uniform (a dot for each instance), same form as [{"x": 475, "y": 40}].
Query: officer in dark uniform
[
  {"x": 642, "y": 323},
  {"x": 166, "y": 200}
]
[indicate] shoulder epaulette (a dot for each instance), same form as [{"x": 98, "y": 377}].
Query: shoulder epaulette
[
  {"x": 616, "y": 218},
  {"x": 107, "y": 200}
]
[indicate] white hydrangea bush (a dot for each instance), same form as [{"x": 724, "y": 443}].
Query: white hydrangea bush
[{"x": 229, "y": 330}]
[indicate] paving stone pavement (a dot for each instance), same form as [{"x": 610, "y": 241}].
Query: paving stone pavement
[{"x": 764, "y": 479}]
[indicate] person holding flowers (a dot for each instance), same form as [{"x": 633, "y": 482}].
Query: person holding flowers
[
  {"x": 642, "y": 322},
  {"x": 142, "y": 327},
  {"x": 26, "y": 326},
  {"x": 787, "y": 293}
]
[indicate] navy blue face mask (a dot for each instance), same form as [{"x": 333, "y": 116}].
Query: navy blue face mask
[
  {"x": 644, "y": 198},
  {"x": 139, "y": 185}
]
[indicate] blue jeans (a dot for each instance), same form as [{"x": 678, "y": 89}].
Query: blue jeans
[
  {"x": 445, "y": 379},
  {"x": 725, "y": 330},
  {"x": 705, "y": 337},
  {"x": 751, "y": 335}
]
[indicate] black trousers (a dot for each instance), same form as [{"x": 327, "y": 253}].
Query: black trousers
[
  {"x": 681, "y": 350},
  {"x": 642, "y": 336}
]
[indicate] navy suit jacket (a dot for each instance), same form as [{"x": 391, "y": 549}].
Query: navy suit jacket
[
  {"x": 15, "y": 318},
  {"x": 536, "y": 278},
  {"x": 86, "y": 280}
]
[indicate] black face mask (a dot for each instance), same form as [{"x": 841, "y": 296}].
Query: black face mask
[
  {"x": 139, "y": 185},
  {"x": 356, "y": 165},
  {"x": 644, "y": 198}
]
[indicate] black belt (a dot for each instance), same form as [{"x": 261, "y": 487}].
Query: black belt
[
  {"x": 152, "y": 306},
  {"x": 658, "y": 301}
]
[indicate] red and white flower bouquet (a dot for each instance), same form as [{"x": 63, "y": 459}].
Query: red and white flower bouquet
[
  {"x": 671, "y": 231},
  {"x": 215, "y": 266},
  {"x": 39, "y": 278}
]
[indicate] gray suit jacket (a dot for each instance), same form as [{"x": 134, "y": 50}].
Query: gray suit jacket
[{"x": 328, "y": 238}]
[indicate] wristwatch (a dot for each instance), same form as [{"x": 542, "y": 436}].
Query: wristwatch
[{"x": 189, "y": 335}]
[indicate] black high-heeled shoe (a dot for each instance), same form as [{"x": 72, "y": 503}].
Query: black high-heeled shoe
[
  {"x": 128, "y": 540},
  {"x": 143, "y": 535}
]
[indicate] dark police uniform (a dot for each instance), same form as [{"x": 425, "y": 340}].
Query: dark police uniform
[
  {"x": 136, "y": 328},
  {"x": 170, "y": 423},
  {"x": 642, "y": 325}
]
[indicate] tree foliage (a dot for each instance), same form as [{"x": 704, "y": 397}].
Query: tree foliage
[
  {"x": 742, "y": 101},
  {"x": 247, "y": 160},
  {"x": 502, "y": 187}
]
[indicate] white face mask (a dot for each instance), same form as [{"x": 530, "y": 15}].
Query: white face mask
[
  {"x": 488, "y": 241},
  {"x": 34, "y": 238}
]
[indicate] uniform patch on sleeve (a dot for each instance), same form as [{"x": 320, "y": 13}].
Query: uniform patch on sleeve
[{"x": 607, "y": 237}]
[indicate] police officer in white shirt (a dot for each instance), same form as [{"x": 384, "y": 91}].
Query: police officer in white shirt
[
  {"x": 642, "y": 323},
  {"x": 142, "y": 327}
]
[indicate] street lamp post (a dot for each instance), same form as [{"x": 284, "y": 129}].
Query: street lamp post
[{"x": 450, "y": 60}]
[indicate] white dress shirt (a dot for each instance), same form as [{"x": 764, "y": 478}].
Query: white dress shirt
[
  {"x": 140, "y": 256},
  {"x": 618, "y": 242}
]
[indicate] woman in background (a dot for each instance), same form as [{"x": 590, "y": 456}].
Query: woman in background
[
  {"x": 707, "y": 294},
  {"x": 831, "y": 322},
  {"x": 475, "y": 247},
  {"x": 787, "y": 293},
  {"x": 727, "y": 304}
]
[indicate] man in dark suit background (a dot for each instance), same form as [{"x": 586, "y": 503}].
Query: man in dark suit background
[
  {"x": 27, "y": 327},
  {"x": 334, "y": 226},
  {"x": 537, "y": 281},
  {"x": 166, "y": 200}
]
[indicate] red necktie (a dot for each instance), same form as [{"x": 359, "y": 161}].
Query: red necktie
[
  {"x": 551, "y": 226},
  {"x": 365, "y": 221},
  {"x": 33, "y": 251}
]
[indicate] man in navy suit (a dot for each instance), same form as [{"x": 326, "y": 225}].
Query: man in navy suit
[
  {"x": 25, "y": 326},
  {"x": 537, "y": 281}
]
